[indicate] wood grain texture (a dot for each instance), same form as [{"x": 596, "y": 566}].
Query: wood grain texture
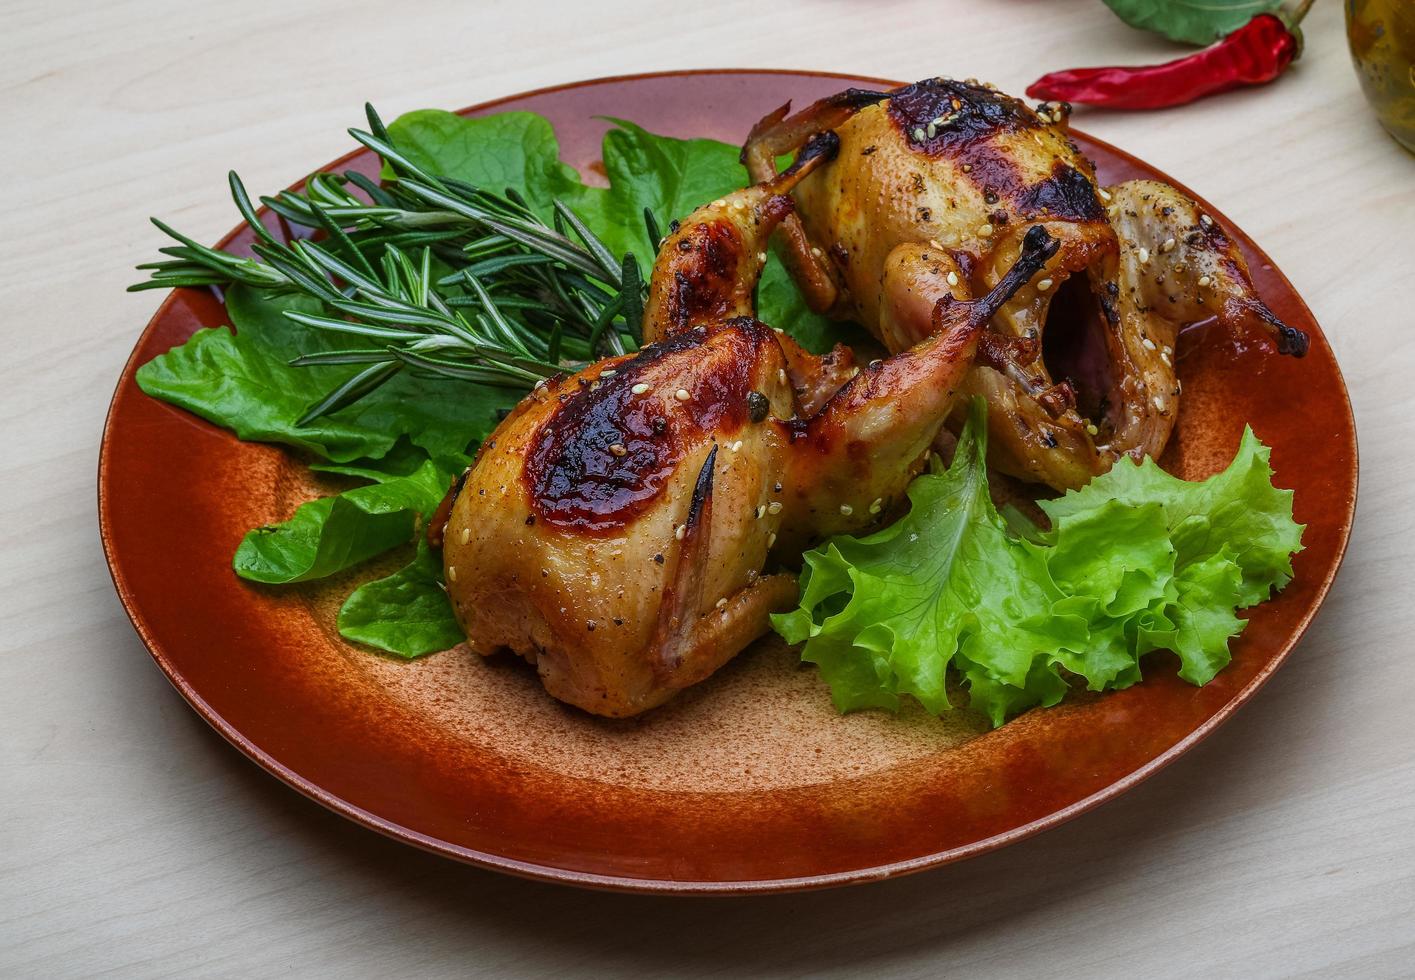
[{"x": 133, "y": 840}]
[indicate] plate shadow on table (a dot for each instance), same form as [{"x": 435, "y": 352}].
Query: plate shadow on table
[{"x": 1125, "y": 848}]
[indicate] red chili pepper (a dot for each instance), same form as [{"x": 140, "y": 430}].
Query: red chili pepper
[{"x": 1256, "y": 53}]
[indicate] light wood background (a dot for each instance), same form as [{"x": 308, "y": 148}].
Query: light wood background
[{"x": 134, "y": 841}]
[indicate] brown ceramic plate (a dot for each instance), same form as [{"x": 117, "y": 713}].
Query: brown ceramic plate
[{"x": 748, "y": 782}]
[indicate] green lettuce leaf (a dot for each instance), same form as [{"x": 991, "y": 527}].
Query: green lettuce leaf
[
  {"x": 1238, "y": 505},
  {"x": 406, "y": 613},
  {"x": 1135, "y": 562},
  {"x": 884, "y": 616},
  {"x": 331, "y": 534},
  {"x": 1197, "y": 619}
]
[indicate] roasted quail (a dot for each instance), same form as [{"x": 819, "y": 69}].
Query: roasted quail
[
  {"x": 956, "y": 170},
  {"x": 625, "y": 528}
]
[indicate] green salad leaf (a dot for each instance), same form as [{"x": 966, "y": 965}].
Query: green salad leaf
[
  {"x": 243, "y": 381},
  {"x": 668, "y": 176},
  {"x": 671, "y": 177},
  {"x": 1136, "y": 561},
  {"x": 406, "y": 613},
  {"x": 507, "y": 149},
  {"x": 331, "y": 534},
  {"x": 403, "y": 459},
  {"x": 1238, "y": 505}
]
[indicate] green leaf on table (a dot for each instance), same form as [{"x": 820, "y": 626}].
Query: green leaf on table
[
  {"x": 1191, "y": 21},
  {"x": 333, "y": 533},
  {"x": 406, "y": 613},
  {"x": 243, "y": 381},
  {"x": 515, "y": 150}
]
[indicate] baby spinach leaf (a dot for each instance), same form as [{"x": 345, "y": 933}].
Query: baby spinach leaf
[
  {"x": 402, "y": 460},
  {"x": 242, "y": 380},
  {"x": 331, "y": 534},
  {"x": 406, "y": 613},
  {"x": 515, "y": 150},
  {"x": 672, "y": 177}
]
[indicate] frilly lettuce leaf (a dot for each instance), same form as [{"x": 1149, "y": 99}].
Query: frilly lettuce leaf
[
  {"x": 1239, "y": 506},
  {"x": 1136, "y": 561}
]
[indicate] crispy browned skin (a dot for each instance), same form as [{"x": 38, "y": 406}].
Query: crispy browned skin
[
  {"x": 954, "y": 169},
  {"x": 709, "y": 266},
  {"x": 618, "y": 528}
]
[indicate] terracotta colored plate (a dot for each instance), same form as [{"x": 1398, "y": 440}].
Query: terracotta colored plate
[{"x": 749, "y": 782}]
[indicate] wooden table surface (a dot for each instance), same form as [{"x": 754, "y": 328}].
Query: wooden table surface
[{"x": 134, "y": 840}]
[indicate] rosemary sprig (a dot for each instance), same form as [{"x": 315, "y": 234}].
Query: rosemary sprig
[{"x": 437, "y": 276}]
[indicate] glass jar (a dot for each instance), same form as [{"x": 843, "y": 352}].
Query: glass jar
[{"x": 1382, "y": 38}]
